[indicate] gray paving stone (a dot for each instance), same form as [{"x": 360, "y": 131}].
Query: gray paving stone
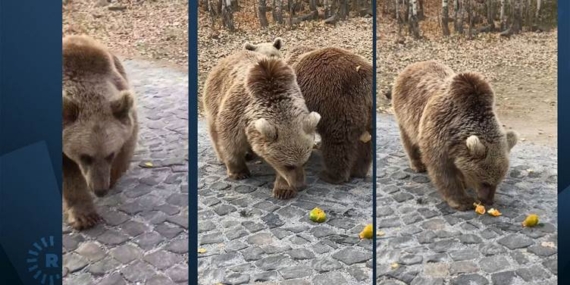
[
  {"x": 138, "y": 271},
  {"x": 162, "y": 259},
  {"x": 275, "y": 235},
  {"x": 126, "y": 253}
]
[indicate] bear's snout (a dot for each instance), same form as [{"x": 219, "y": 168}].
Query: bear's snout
[
  {"x": 486, "y": 194},
  {"x": 101, "y": 192}
]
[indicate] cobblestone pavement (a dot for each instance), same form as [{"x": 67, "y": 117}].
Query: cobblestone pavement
[
  {"x": 144, "y": 239},
  {"x": 433, "y": 244},
  {"x": 251, "y": 237}
]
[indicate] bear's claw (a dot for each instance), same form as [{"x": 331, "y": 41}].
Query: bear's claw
[
  {"x": 284, "y": 193},
  {"x": 82, "y": 221},
  {"x": 240, "y": 175}
]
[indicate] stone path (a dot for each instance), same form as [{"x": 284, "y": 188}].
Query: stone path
[
  {"x": 144, "y": 239},
  {"x": 250, "y": 237},
  {"x": 433, "y": 244}
]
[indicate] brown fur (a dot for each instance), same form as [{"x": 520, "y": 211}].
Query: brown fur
[
  {"x": 269, "y": 49},
  {"x": 338, "y": 85},
  {"x": 253, "y": 103},
  {"x": 448, "y": 127},
  {"x": 99, "y": 126}
]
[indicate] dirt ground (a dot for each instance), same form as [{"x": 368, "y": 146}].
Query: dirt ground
[
  {"x": 215, "y": 44},
  {"x": 522, "y": 71}
]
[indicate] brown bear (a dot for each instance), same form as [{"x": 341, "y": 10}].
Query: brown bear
[
  {"x": 449, "y": 127},
  {"x": 99, "y": 126},
  {"x": 269, "y": 49},
  {"x": 337, "y": 84},
  {"x": 253, "y": 102}
]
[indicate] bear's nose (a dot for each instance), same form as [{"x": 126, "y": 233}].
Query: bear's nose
[{"x": 101, "y": 192}]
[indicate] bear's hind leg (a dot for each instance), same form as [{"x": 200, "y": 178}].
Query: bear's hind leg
[
  {"x": 338, "y": 157},
  {"x": 363, "y": 160},
  {"x": 77, "y": 203},
  {"x": 413, "y": 152},
  {"x": 450, "y": 187}
]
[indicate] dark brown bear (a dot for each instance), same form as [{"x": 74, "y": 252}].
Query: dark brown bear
[
  {"x": 337, "y": 84},
  {"x": 448, "y": 126}
]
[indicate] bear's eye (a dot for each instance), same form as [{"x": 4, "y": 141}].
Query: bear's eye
[
  {"x": 486, "y": 185},
  {"x": 110, "y": 157},
  {"x": 86, "y": 159}
]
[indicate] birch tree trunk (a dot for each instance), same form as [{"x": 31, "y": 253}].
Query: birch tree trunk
[
  {"x": 445, "y": 17},
  {"x": 227, "y": 15},
  {"x": 413, "y": 20},
  {"x": 262, "y": 9}
]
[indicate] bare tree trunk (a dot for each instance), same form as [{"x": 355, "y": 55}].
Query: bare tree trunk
[
  {"x": 445, "y": 17},
  {"x": 398, "y": 19},
  {"x": 327, "y": 5},
  {"x": 459, "y": 16},
  {"x": 212, "y": 13},
  {"x": 313, "y": 8},
  {"x": 413, "y": 20},
  {"x": 491, "y": 15},
  {"x": 470, "y": 18},
  {"x": 278, "y": 11},
  {"x": 227, "y": 15},
  {"x": 262, "y": 9},
  {"x": 502, "y": 16},
  {"x": 516, "y": 25}
]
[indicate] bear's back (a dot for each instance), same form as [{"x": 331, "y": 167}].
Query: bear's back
[
  {"x": 335, "y": 81},
  {"x": 228, "y": 72}
]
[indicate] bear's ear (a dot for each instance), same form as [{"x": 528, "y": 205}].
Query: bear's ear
[
  {"x": 278, "y": 43},
  {"x": 512, "y": 139},
  {"x": 311, "y": 122},
  {"x": 122, "y": 106},
  {"x": 70, "y": 110},
  {"x": 249, "y": 46},
  {"x": 475, "y": 146},
  {"x": 266, "y": 129}
]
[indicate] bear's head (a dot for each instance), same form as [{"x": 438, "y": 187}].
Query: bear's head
[
  {"x": 286, "y": 146},
  {"x": 94, "y": 132},
  {"x": 484, "y": 165},
  {"x": 268, "y": 49}
]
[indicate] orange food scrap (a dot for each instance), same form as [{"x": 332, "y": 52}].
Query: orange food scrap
[
  {"x": 494, "y": 212},
  {"x": 479, "y": 209}
]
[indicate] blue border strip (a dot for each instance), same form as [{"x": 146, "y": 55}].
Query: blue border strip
[
  {"x": 563, "y": 141},
  {"x": 193, "y": 142},
  {"x": 374, "y": 112},
  {"x": 30, "y": 136}
]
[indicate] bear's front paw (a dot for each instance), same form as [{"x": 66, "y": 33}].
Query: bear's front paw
[
  {"x": 462, "y": 204},
  {"x": 239, "y": 175},
  {"x": 332, "y": 179},
  {"x": 83, "y": 219},
  {"x": 284, "y": 193},
  {"x": 418, "y": 167}
]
